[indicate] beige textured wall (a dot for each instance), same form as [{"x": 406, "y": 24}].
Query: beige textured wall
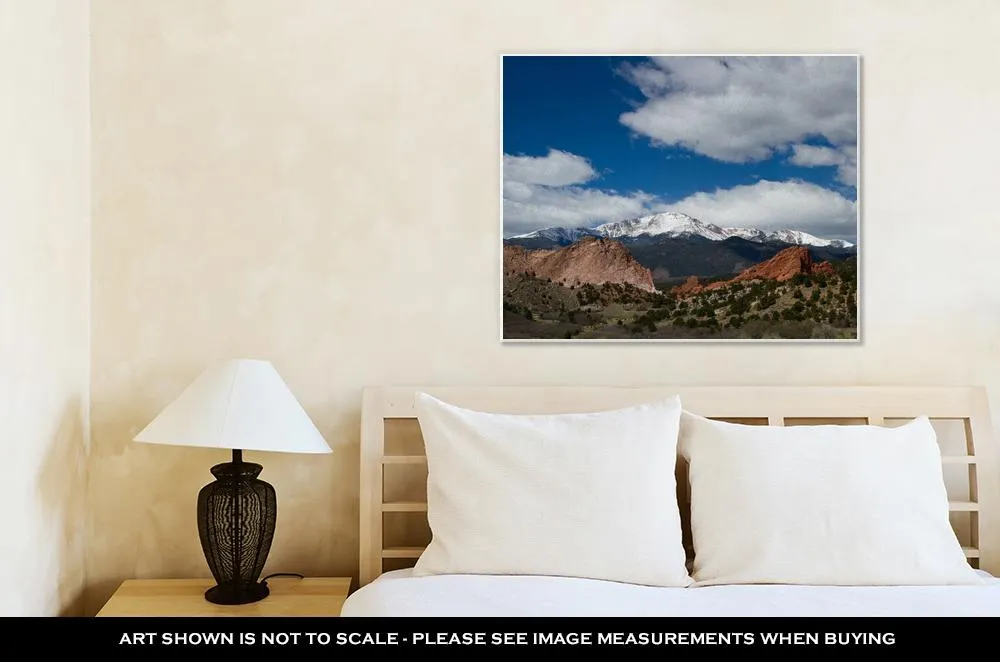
[
  {"x": 44, "y": 303},
  {"x": 317, "y": 183}
]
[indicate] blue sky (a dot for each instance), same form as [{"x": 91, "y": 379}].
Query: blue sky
[{"x": 767, "y": 142}]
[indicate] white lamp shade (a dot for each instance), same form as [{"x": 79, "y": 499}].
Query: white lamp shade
[{"x": 238, "y": 404}]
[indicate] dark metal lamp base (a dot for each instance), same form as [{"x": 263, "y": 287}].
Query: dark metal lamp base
[
  {"x": 232, "y": 594},
  {"x": 236, "y": 515}
]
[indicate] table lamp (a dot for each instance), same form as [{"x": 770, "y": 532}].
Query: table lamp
[{"x": 241, "y": 405}]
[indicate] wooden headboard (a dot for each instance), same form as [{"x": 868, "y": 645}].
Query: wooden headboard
[{"x": 394, "y": 468}]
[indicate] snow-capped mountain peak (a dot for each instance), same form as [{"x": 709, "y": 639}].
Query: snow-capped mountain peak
[
  {"x": 668, "y": 223},
  {"x": 559, "y": 235},
  {"x": 806, "y": 239},
  {"x": 676, "y": 224}
]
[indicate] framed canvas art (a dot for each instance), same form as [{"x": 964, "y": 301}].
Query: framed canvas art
[{"x": 680, "y": 198}]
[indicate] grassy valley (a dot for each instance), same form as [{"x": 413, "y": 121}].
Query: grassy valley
[{"x": 816, "y": 306}]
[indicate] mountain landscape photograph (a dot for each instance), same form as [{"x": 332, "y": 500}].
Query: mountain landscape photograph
[{"x": 680, "y": 198}]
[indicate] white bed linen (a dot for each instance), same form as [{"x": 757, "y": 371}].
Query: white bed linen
[{"x": 398, "y": 593}]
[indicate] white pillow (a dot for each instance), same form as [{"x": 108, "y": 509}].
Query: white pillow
[
  {"x": 825, "y": 505},
  {"x": 577, "y": 495}
]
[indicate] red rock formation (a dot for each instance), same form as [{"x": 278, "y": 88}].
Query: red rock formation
[
  {"x": 784, "y": 266},
  {"x": 824, "y": 268},
  {"x": 690, "y": 286},
  {"x": 591, "y": 260}
]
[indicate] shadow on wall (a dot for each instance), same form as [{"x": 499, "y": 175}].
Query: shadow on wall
[{"x": 62, "y": 490}]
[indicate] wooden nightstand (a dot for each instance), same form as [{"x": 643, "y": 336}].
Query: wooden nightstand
[{"x": 290, "y": 596}]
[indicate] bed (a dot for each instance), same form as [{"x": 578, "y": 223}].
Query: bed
[{"x": 394, "y": 506}]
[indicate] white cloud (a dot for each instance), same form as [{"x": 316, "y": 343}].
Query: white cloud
[
  {"x": 541, "y": 191},
  {"x": 528, "y": 207},
  {"x": 811, "y": 155},
  {"x": 745, "y": 109},
  {"x": 529, "y": 204},
  {"x": 557, "y": 168},
  {"x": 769, "y": 205},
  {"x": 845, "y": 158},
  {"x": 847, "y": 172}
]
